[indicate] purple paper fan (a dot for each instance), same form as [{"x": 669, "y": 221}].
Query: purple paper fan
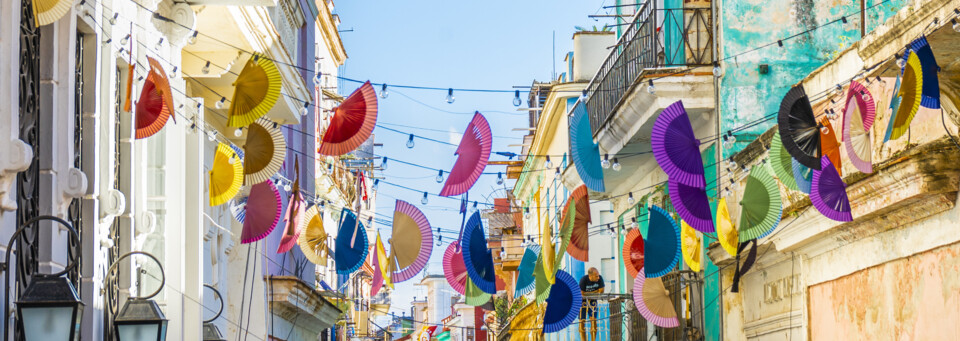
[
  {"x": 829, "y": 193},
  {"x": 676, "y": 148},
  {"x": 692, "y": 205}
]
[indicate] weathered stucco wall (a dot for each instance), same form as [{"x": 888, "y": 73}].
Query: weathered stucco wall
[{"x": 906, "y": 299}]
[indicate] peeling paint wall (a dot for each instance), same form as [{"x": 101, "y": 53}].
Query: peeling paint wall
[{"x": 747, "y": 95}]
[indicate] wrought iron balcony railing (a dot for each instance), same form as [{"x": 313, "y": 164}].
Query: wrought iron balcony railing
[{"x": 655, "y": 38}]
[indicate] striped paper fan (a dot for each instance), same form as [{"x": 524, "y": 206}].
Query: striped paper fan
[
  {"x": 633, "y": 252},
  {"x": 256, "y": 91},
  {"x": 653, "y": 301},
  {"x": 313, "y": 237},
  {"x": 579, "y": 247},
  {"x": 238, "y": 207},
  {"x": 798, "y": 127},
  {"x": 477, "y": 257},
  {"x": 474, "y": 296},
  {"x": 782, "y": 163},
  {"x": 910, "y": 93},
  {"x": 662, "y": 247},
  {"x": 155, "y": 106},
  {"x": 453, "y": 268},
  {"x": 264, "y": 151},
  {"x": 931, "y": 81},
  {"x": 411, "y": 243},
  {"x": 226, "y": 175},
  {"x": 761, "y": 206},
  {"x": 45, "y": 12},
  {"x": 472, "y": 156},
  {"x": 829, "y": 194},
  {"x": 691, "y": 247},
  {"x": 563, "y": 304},
  {"x": 864, "y": 100},
  {"x": 349, "y": 258},
  {"x": 584, "y": 153},
  {"x": 692, "y": 205},
  {"x": 264, "y": 209},
  {"x": 676, "y": 148},
  {"x": 375, "y": 264},
  {"x": 352, "y": 122},
  {"x": 726, "y": 231},
  {"x": 525, "y": 270},
  {"x": 857, "y": 138}
]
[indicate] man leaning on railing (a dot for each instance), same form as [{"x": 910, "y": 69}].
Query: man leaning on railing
[{"x": 592, "y": 283}]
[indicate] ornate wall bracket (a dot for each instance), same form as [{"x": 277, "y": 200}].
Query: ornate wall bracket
[
  {"x": 16, "y": 157},
  {"x": 175, "y": 20}
]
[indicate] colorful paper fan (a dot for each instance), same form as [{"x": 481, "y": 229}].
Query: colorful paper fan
[
  {"x": 676, "y": 148},
  {"x": 47, "y": 11},
  {"x": 474, "y": 296},
  {"x": 726, "y": 231},
  {"x": 781, "y": 162},
  {"x": 829, "y": 146},
  {"x": 761, "y": 205},
  {"x": 563, "y": 304},
  {"x": 525, "y": 271},
  {"x": 454, "y": 269},
  {"x": 348, "y": 258},
  {"x": 931, "y": 81},
  {"x": 226, "y": 175},
  {"x": 584, "y": 153},
  {"x": 829, "y": 194},
  {"x": 579, "y": 247},
  {"x": 909, "y": 93},
  {"x": 662, "y": 247},
  {"x": 857, "y": 138},
  {"x": 313, "y": 237},
  {"x": 352, "y": 123},
  {"x": 653, "y": 301},
  {"x": 690, "y": 246},
  {"x": 264, "y": 151},
  {"x": 633, "y": 252},
  {"x": 473, "y": 154},
  {"x": 263, "y": 209},
  {"x": 527, "y": 324},
  {"x": 256, "y": 90},
  {"x": 477, "y": 257},
  {"x": 238, "y": 208},
  {"x": 377, "y": 281},
  {"x": 798, "y": 127},
  {"x": 803, "y": 176},
  {"x": 411, "y": 243},
  {"x": 692, "y": 205},
  {"x": 294, "y": 216},
  {"x": 383, "y": 260},
  {"x": 864, "y": 101},
  {"x": 156, "y": 102}
]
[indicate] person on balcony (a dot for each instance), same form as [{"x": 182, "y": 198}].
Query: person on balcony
[{"x": 592, "y": 283}]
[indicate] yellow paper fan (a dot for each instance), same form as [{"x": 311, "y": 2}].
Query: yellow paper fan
[
  {"x": 690, "y": 246},
  {"x": 263, "y": 152},
  {"x": 256, "y": 91},
  {"x": 226, "y": 176},
  {"x": 726, "y": 231},
  {"x": 911, "y": 84},
  {"x": 48, "y": 11},
  {"x": 313, "y": 238}
]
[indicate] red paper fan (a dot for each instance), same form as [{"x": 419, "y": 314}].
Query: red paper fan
[
  {"x": 156, "y": 102},
  {"x": 579, "y": 247},
  {"x": 263, "y": 212},
  {"x": 473, "y": 154},
  {"x": 352, "y": 122},
  {"x": 633, "y": 252}
]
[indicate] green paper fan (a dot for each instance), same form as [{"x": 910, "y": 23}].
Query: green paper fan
[
  {"x": 541, "y": 284},
  {"x": 780, "y": 161},
  {"x": 760, "y": 206},
  {"x": 474, "y": 296}
]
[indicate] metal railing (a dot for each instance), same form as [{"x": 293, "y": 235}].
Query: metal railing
[{"x": 655, "y": 38}]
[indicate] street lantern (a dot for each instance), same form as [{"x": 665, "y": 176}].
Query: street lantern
[
  {"x": 141, "y": 318},
  {"x": 210, "y": 330},
  {"x": 50, "y": 309}
]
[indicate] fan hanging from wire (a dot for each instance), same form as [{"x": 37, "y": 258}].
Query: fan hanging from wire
[
  {"x": 931, "y": 81},
  {"x": 382, "y": 259},
  {"x": 226, "y": 175},
  {"x": 352, "y": 122},
  {"x": 264, "y": 151},
  {"x": 155, "y": 106},
  {"x": 584, "y": 153},
  {"x": 690, "y": 246},
  {"x": 472, "y": 156},
  {"x": 453, "y": 268},
  {"x": 351, "y": 246},
  {"x": 411, "y": 242},
  {"x": 579, "y": 207},
  {"x": 256, "y": 91},
  {"x": 781, "y": 163},
  {"x": 263, "y": 211},
  {"x": 726, "y": 231},
  {"x": 676, "y": 148},
  {"x": 46, "y": 12},
  {"x": 798, "y": 127},
  {"x": 378, "y": 274},
  {"x": 910, "y": 95},
  {"x": 864, "y": 101},
  {"x": 653, "y": 301},
  {"x": 528, "y": 323},
  {"x": 829, "y": 146},
  {"x": 474, "y": 296},
  {"x": 662, "y": 246},
  {"x": 760, "y": 206},
  {"x": 525, "y": 270},
  {"x": 857, "y": 138},
  {"x": 313, "y": 237},
  {"x": 692, "y": 205},
  {"x": 563, "y": 304},
  {"x": 477, "y": 257},
  {"x": 803, "y": 176},
  {"x": 295, "y": 214},
  {"x": 633, "y": 252},
  {"x": 829, "y": 194}
]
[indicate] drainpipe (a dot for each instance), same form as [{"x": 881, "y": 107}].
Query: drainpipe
[{"x": 719, "y": 150}]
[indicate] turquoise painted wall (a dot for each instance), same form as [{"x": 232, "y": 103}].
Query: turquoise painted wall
[
  {"x": 711, "y": 274},
  {"x": 745, "y": 94}
]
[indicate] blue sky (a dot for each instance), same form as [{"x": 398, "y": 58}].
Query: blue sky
[{"x": 459, "y": 44}]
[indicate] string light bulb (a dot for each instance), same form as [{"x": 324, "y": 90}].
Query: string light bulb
[
  {"x": 630, "y": 199},
  {"x": 583, "y": 96},
  {"x": 410, "y": 141},
  {"x": 173, "y": 72},
  {"x": 439, "y": 177},
  {"x": 900, "y": 62},
  {"x": 499, "y": 178},
  {"x": 206, "y": 68},
  {"x": 424, "y": 200},
  {"x": 287, "y": 187},
  {"x": 193, "y": 38},
  {"x": 383, "y": 163},
  {"x": 616, "y": 165},
  {"x": 717, "y": 72},
  {"x": 305, "y": 109},
  {"x": 317, "y": 77},
  {"x": 211, "y": 135},
  {"x": 956, "y": 25},
  {"x": 526, "y": 213},
  {"x": 633, "y": 223},
  {"x": 376, "y": 184},
  {"x": 824, "y": 130},
  {"x": 516, "y": 98},
  {"x": 383, "y": 91},
  {"x": 219, "y": 104},
  {"x": 113, "y": 19},
  {"x": 125, "y": 40},
  {"x": 450, "y": 97},
  {"x": 548, "y": 163},
  {"x": 159, "y": 44},
  {"x": 558, "y": 171},
  {"x": 605, "y": 163},
  {"x": 232, "y": 159},
  {"x": 650, "y": 87}
]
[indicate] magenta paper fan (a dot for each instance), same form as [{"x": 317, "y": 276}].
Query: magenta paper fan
[
  {"x": 292, "y": 222},
  {"x": 473, "y": 154},
  {"x": 264, "y": 209},
  {"x": 377, "y": 273},
  {"x": 857, "y": 139},
  {"x": 692, "y": 205},
  {"x": 676, "y": 148},
  {"x": 409, "y": 253},
  {"x": 864, "y": 101},
  {"x": 829, "y": 193},
  {"x": 454, "y": 269},
  {"x": 653, "y": 301}
]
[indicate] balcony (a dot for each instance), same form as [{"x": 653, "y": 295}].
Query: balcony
[{"x": 292, "y": 299}]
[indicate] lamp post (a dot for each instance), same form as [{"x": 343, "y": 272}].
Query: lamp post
[
  {"x": 49, "y": 309},
  {"x": 210, "y": 330},
  {"x": 141, "y": 318}
]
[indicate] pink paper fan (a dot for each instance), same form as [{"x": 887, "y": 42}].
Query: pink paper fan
[
  {"x": 405, "y": 214},
  {"x": 865, "y": 101},
  {"x": 473, "y": 154},
  {"x": 377, "y": 273},
  {"x": 454, "y": 269},
  {"x": 653, "y": 301},
  {"x": 264, "y": 209},
  {"x": 292, "y": 223}
]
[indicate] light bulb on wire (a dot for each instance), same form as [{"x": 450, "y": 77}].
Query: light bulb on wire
[
  {"x": 237, "y": 132},
  {"x": 717, "y": 72},
  {"x": 173, "y": 72},
  {"x": 383, "y": 91},
  {"x": 424, "y": 200},
  {"x": 616, "y": 165},
  {"x": 605, "y": 163},
  {"x": 516, "y": 99},
  {"x": 650, "y": 87},
  {"x": 439, "y": 176},
  {"x": 526, "y": 213},
  {"x": 220, "y": 103},
  {"x": 630, "y": 199},
  {"x": 410, "y": 141},
  {"x": 383, "y": 163},
  {"x": 956, "y": 25},
  {"x": 305, "y": 110},
  {"x": 206, "y": 68},
  {"x": 900, "y": 62},
  {"x": 211, "y": 135},
  {"x": 450, "y": 97},
  {"x": 113, "y": 19},
  {"x": 547, "y": 163},
  {"x": 287, "y": 187},
  {"x": 193, "y": 38},
  {"x": 125, "y": 40},
  {"x": 824, "y": 130},
  {"x": 633, "y": 223},
  {"x": 159, "y": 44},
  {"x": 499, "y": 178},
  {"x": 583, "y": 96}
]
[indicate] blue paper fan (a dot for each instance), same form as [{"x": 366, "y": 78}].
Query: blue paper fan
[
  {"x": 349, "y": 259},
  {"x": 563, "y": 304},
  {"x": 662, "y": 247},
  {"x": 525, "y": 278},
  {"x": 585, "y": 153},
  {"x": 803, "y": 175},
  {"x": 931, "y": 81},
  {"x": 477, "y": 257}
]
